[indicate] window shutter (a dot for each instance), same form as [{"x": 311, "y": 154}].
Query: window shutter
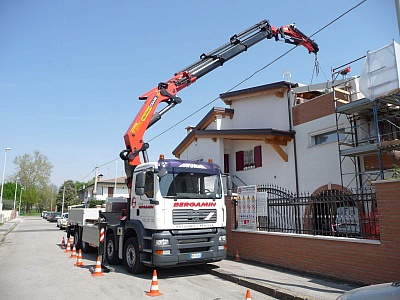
[
  {"x": 239, "y": 160},
  {"x": 257, "y": 157},
  {"x": 226, "y": 163}
]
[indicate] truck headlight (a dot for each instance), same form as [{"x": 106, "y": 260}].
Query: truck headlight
[
  {"x": 222, "y": 238},
  {"x": 162, "y": 242}
]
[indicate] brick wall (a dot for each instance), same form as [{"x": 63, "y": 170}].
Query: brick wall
[
  {"x": 307, "y": 111},
  {"x": 315, "y": 108},
  {"x": 371, "y": 162},
  {"x": 361, "y": 261}
]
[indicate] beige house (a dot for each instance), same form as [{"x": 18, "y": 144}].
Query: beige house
[{"x": 115, "y": 187}]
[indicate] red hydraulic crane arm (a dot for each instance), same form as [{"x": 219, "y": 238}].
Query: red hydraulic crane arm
[
  {"x": 166, "y": 91},
  {"x": 292, "y": 35}
]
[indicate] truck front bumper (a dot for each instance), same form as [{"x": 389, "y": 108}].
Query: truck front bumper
[{"x": 189, "y": 247}]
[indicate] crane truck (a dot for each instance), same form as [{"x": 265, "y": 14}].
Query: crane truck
[{"x": 175, "y": 214}]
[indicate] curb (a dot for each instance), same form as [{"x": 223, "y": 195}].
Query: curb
[
  {"x": 2, "y": 236},
  {"x": 267, "y": 289}
]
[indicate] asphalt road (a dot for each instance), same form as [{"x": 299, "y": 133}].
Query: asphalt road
[{"x": 32, "y": 265}]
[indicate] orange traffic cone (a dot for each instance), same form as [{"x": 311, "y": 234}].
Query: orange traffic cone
[
  {"x": 73, "y": 253},
  {"x": 237, "y": 255},
  {"x": 154, "y": 286},
  {"x": 97, "y": 270},
  {"x": 68, "y": 250},
  {"x": 248, "y": 297},
  {"x": 71, "y": 240},
  {"x": 63, "y": 243},
  {"x": 79, "y": 262}
]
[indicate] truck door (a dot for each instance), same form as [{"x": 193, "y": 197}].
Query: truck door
[{"x": 144, "y": 208}]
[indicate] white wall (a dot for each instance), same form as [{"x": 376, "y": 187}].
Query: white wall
[
  {"x": 274, "y": 169},
  {"x": 318, "y": 165},
  {"x": 102, "y": 192},
  {"x": 265, "y": 111},
  {"x": 205, "y": 149}
]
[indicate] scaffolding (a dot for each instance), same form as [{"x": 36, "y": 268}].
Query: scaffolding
[{"x": 369, "y": 143}]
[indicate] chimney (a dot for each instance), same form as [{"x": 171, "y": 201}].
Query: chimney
[{"x": 100, "y": 177}]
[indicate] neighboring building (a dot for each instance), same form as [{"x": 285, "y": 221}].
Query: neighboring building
[{"x": 105, "y": 188}]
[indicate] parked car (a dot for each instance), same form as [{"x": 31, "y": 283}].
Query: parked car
[
  {"x": 62, "y": 221},
  {"x": 45, "y": 214},
  {"x": 384, "y": 291},
  {"x": 52, "y": 217}
]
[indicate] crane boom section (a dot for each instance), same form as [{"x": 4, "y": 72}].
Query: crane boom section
[{"x": 167, "y": 91}]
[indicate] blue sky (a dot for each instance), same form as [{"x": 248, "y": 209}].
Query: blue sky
[{"x": 71, "y": 71}]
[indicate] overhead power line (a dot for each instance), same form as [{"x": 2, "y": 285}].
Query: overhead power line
[
  {"x": 241, "y": 82},
  {"x": 256, "y": 72}
]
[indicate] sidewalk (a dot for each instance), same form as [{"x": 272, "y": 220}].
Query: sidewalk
[
  {"x": 7, "y": 227},
  {"x": 278, "y": 283}
]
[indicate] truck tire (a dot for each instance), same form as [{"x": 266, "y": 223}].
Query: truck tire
[
  {"x": 77, "y": 238},
  {"x": 86, "y": 248},
  {"x": 79, "y": 244},
  {"x": 111, "y": 250},
  {"x": 132, "y": 256}
]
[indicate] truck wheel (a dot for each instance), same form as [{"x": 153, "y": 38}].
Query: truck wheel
[
  {"x": 77, "y": 238},
  {"x": 111, "y": 250},
  {"x": 68, "y": 232},
  {"x": 132, "y": 256},
  {"x": 86, "y": 248}
]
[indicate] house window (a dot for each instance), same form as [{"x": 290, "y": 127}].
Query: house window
[
  {"x": 99, "y": 191},
  {"x": 110, "y": 191},
  {"x": 248, "y": 159},
  {"x": 326, "y": 137}
]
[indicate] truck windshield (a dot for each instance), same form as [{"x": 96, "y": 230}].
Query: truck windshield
[{"x": 185, "y": 184}]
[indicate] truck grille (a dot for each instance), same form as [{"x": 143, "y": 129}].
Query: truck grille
[{"x": 183, "y": 216}]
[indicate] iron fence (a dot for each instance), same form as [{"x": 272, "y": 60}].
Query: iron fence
[{"x": 330, "y": 213}]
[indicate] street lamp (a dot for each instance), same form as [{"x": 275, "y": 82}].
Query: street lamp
[
  {"x": 2, "y": 185},
  {"x": 20, "y": 196},
  {"x": 115, "y": 181},
  {"x": 16, "y": 188}
]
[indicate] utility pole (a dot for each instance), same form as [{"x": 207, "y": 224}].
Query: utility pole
[
  {"x": 397, "y": 4},
  {"x": 115, "y": 181},
  {"x": 20, "y": 198},
  {"x": 95, "y": 185},
  {"x": 15, "y": 194},
  {"x": 2, "y": 185},
  {"x": 62, "y": 207}
]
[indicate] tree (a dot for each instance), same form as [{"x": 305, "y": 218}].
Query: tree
[
  {"x": 80, "y": 185},
  {"x": 33, "y": 170},
  {"x": 9, "y": 195},
  {"x": 69, "y": 194},
  {"x": 31, "y": 198},
  {"x": 47, "y": 199}
]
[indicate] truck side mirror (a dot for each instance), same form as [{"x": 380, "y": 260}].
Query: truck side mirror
[
  {"x": 228, "y": 185},
  {"x": 139, "y": 183},
  {"x": 162, "y": 172}
]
